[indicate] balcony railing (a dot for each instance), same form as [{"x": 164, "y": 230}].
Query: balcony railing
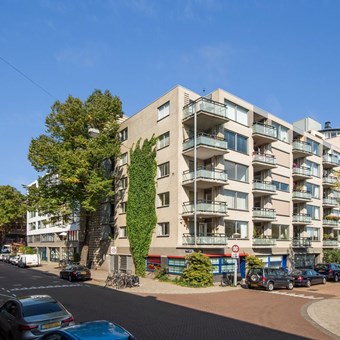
[
  {"x": 329, "y": 201},
  {"x": 302, "y": 218},
  {"x": 302, "y": 171},
  {"x": 206, "y": 174},
  {"x": 264, "y": 242},
  {"x": 302, "y": 242},
  {"x": 331, "y": 159},
  {"x": 214, "y": 207},
  {"x": 302, "y": 146},
  {"x": 330, "y": 243},
  {"x": 205, "y": 140},
  {"x": 302, "y": 194},
  {"x": 205, "y": 239},
  {"x": 333, "y": 223},
  {"x": 263, "y": 185},
  {"x": 205, "y": 105},
  {"x": 265, "y": 130},
  {"x": 264, "y": 213},
  {"x": 330, "y": 180},
  {"x": 264, "y": 158}
]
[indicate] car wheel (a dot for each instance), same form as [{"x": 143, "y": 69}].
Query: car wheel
[
  {"x": 70, "y": 278},
  {"x": 308, "y": 283},
  {"x": 324, "y": 280},
  {"x": 290, "y": 285},
  {"x": 270, "y": 286},
  {"x": 336, "y": 278},
  {"x": 254, "y": 278}
]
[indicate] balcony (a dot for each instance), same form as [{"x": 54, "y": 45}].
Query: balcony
[
  {"x": 264, "y": 214},
  {"x": 301, "y": 219},
  {"x": 330, "y": 221},
  {"x": 301, "y": 173},
  {"x": 208, "y": 113},
  {"x": 329, "y": 202},
  {"x": 330, "y": 161},
  {"x": 301, "y": 149},
  {"x": 263, "y": 188},
  {"x": 207, "y": 146},
  {"x": 264, "y": 242},
  {"x": 328, "y": 181},
  {"x": 303, "y": 242},
  {"x": 262, "y": 161},
  {"x": 331, "y": 243},
  {"x": 205, "y": 208},
  {"x": 301, "y": 196},
  {"x": 213, "y": 239},
  {"x": 264, "y": 134},
  {"x": 205, "y": 178}
]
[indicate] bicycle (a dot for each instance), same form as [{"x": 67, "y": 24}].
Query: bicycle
[{"x": 226, "y": 280}]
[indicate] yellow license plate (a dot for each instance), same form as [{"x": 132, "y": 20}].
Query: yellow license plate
[
  {"x": 83, "y": 273},
  {"x": 51, "y": 325}
]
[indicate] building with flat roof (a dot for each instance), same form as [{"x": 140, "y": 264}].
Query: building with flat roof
[{"x": 230, "y": 173}]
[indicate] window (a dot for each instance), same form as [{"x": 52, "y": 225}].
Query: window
[
  {"x": 123, "y": 183},
  {"x": 313, "y": 211},
  {"x": 163, "y": 229},
  {"x": 236, "y": 113},
  {"x": 123, "y": 135},
  {"x": 122, "y": 232},
  {"x": 164, "y": 111},
  {"x": 236, "y": 142},
  {"x": 313, "y": 189},
  {"x": 164, "y": 140},
  {"x": 314, "y": 167},
  {"x": 236, "y": 229},
  {"x": 124, "y": 158},
  {"x": 315, "y": 147},
  {"x": 282, "y": 132},
  {"x": 164, "y": 199},
  {"x": 123, "y": 208},
  {"x": 313, "y": 233},
  {"x": 235, "y": 171},
  {"x": 163, "y": 170},
  {"x": 280, "y": 231},
  {"x": 281, "y": 186},
  {"x": 237, "y": 200}
]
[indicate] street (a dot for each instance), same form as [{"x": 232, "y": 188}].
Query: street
[{"x": 238, "y": 314}]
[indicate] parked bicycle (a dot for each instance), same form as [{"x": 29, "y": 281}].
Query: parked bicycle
[
  {"x": 121, "y": 280},
  {"x": 226, "y": 280}
]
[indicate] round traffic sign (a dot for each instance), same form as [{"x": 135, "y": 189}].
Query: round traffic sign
[{"x": 235, "y": 248}]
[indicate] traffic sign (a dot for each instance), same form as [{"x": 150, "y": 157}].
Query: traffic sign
[
  {"x": 235, "y": 248},
  {"x": 235, "y": 255}
]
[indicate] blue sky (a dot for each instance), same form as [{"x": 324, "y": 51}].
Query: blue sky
[{"x": 282, "y": 56}]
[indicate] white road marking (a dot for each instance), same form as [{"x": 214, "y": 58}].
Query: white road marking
[
  {"x": 48, "y": 287},
  {"x": 302, "y": 296}
]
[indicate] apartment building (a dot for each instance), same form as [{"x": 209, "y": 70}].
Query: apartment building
[
  {"x": 54, "y": 239},
  {"x": 230, "y": 173}
]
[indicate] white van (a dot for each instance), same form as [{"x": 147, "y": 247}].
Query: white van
[{"x": 29, "y": 260}]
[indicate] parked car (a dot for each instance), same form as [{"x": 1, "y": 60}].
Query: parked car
[
  {"x": 331, "y": 270},
  {"x": 29, "y": 260},
  {"x": 75, "y": 272},
  {"x": 93, "y": 330},
  {"x": 307, "y": 277},
  {"x": 30, "y": 317},
  {"x": 14, "y": 259},
  {"x": 269, "y": 278}
]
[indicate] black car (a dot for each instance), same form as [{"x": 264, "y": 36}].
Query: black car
[
  {"x": 75, "y": 272},
  {"x": 331, "y": 270},
  {"x": 307, "y": 277},
  {"x": 269, "y": 278}
]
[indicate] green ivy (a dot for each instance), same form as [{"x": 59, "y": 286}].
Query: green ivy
[{"x": 140, "y": 211}]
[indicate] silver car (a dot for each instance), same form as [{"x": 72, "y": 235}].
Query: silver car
[{"x": 30, "y": 317}]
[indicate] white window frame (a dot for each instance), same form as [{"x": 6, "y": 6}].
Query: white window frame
[
  {"x": 124, "y": 158},
  {"x": 163, "y": 170},
  {"x": 122, "y": 232},
  {"x": 123, "y": 135},
  {"x": 163, "y": 229},
  {"x": 164, "y": 199},
  {"x": 163, "y": 140},
  {"x": 164, "y": 110}
]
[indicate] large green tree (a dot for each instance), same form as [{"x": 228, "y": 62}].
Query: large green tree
[
  {"x": 12, "y": 208},
  {"x": 72, "y": 159}
]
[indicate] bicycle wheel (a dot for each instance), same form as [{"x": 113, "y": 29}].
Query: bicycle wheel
[{"x": 109, "y": 282}]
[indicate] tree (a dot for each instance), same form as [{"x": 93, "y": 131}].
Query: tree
[
  {"x": 12, "y": 208},
  {"x": 253, "y": 261},
  {"x": 72, "y": 162},
  {"x": 331, "y": 255}
]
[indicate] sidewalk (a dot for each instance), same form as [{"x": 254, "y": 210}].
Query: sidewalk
[{"x": 323, "y": 313}]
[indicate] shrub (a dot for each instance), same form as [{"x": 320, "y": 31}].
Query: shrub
[
  {"x": 199, "y": 271},
  {"x": 161, "y": 274},
  {"x": 253, "y": 261},
  {"x": 331, "y": 256}
]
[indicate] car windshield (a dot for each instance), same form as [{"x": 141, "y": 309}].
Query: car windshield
[
  {"x": 41, "y": 308},
  {"x": 296, "y": 272},
  {"x": 322, "y": 266}
]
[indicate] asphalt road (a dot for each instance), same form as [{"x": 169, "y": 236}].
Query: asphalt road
[{"x": 242, "y": 314}]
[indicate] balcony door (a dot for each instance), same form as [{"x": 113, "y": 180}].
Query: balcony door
[{"x": 202, "y": 229}]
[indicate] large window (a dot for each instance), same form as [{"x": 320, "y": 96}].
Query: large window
[
  {"x": 236, "y": 171},
  {"x": 163, "y": 229},
  {"x": 280, "y": 231},
  {"x": 163, "y": 170},
  {"x": 164, "y": 199},
  {"x": 236, "y": 142},
  {"x": 281, "y": 186},
  {"x": 236, "y": 113},
  {"x": 315, "y": 147},
  {"x": 313, "y": 233},
  {"x": 164, "y": 111},
  {"x": 123, "y": 208},
  {"x": 314, "y": 167},
  {"x": 164, "y": 140},
  {"x": 313, "y": 189},
  {"x": 282, "y": 132},
  {"x": 124, "y": 158},
  {"x": 236, "y": 229},
  {"x": 237, "y": 200},
  {"x": 313, "y": 211}
]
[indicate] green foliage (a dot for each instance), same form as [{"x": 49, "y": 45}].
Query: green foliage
[
  {"x": 253, "y": 261},
  {"x": 140, "y": 212},
  {"x": 28, "y": 250},
  {"x": 199, "y": 271},
  {"x": 12, "y": 208},
  {"x": 161, "y": 274},
  {"x": 331, "y": 256}
]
